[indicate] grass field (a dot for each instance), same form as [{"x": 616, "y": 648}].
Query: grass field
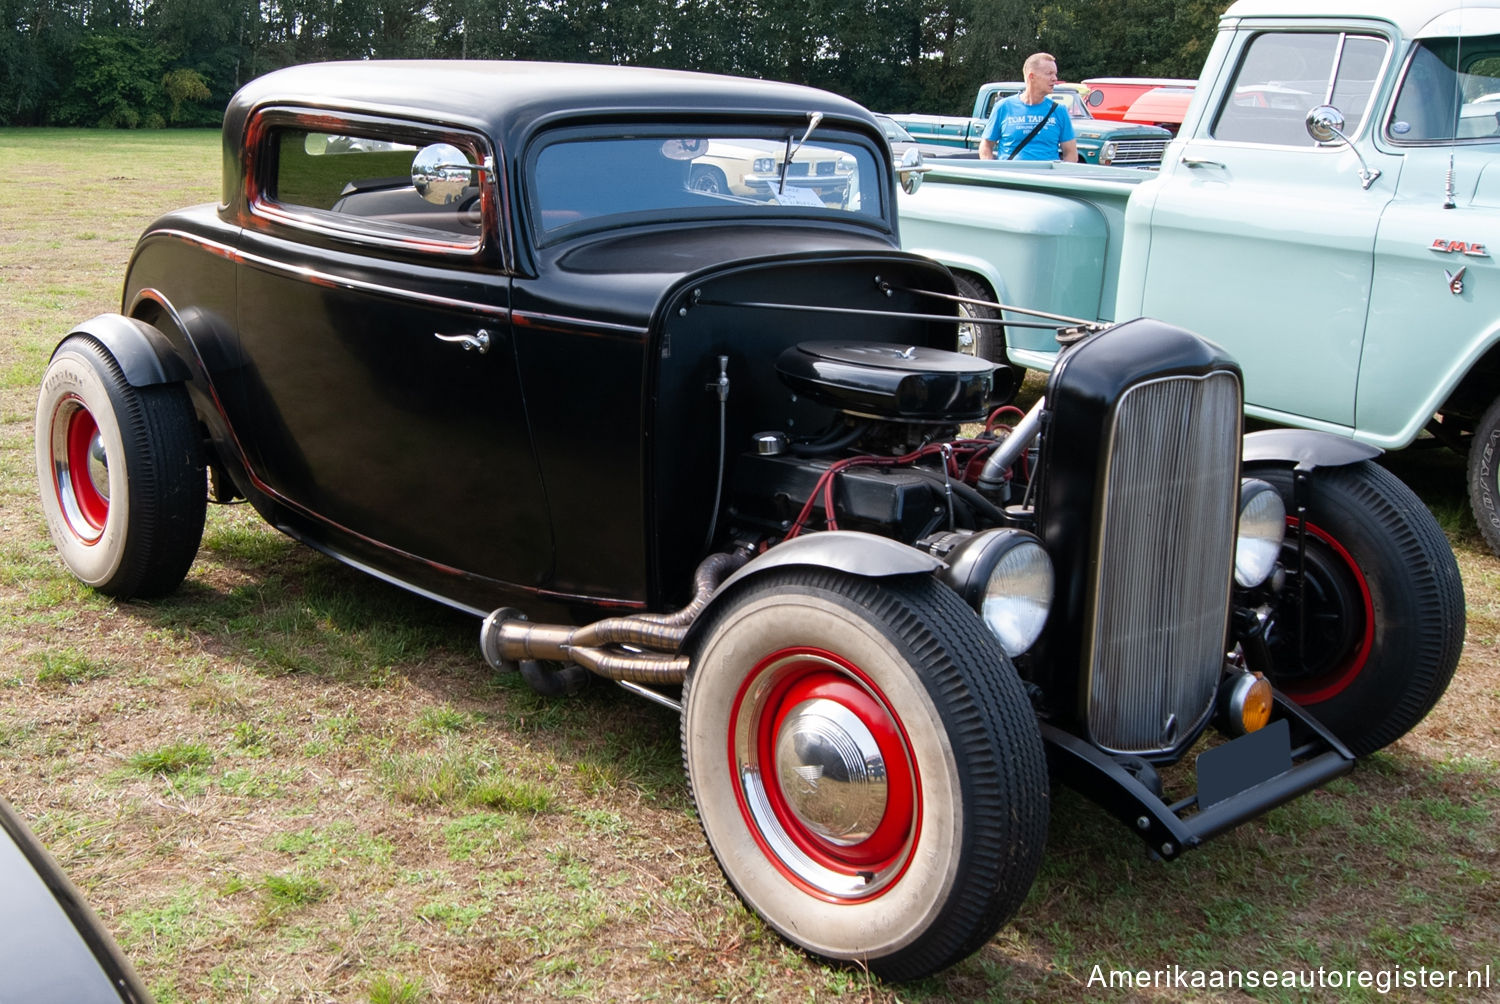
[{"x": 289, "y": 782}]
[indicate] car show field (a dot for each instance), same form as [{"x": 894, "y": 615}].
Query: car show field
[{"x": 288, "y": 781}]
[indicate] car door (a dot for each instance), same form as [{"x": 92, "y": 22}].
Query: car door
[
  {"x": 1262, "y": 238},
  {"x": 381, "y": 389}
]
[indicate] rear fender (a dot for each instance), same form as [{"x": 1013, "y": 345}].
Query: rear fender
[{"x": 144, "y": 354}]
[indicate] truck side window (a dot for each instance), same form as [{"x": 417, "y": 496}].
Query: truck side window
[
  {"x": 1284, "y": 74},
  {"x": 1438, "y": 102}
]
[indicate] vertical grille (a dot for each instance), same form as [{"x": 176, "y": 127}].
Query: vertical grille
[{"x": 1166, "y": 549}]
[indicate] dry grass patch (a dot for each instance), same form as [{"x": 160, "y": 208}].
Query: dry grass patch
[{"x": 287, "y": 782}]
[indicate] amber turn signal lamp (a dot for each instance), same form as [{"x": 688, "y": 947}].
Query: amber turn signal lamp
[{"x": 1247, "y": 703}]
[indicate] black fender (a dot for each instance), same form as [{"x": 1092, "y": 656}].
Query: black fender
[
  {"x": 1304, "y": 449},
  {"x": 865, "y": 555},
  {"x": 145, "y": 355}
]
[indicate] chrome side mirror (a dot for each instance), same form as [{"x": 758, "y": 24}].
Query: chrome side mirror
[
  {"x": 441, "y": 172},
  {"x": 1325, "y": 123},
  {"x": 910, "y": 171}
]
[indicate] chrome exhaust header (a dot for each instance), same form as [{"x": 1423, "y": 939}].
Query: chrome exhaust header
[{"x": 640, "y": 648}]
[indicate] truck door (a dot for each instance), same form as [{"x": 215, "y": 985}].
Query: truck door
[
  {"x": 1261, "y": 238},
  {"x": 1432, "y": 309}
]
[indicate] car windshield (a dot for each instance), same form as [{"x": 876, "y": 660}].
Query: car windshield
[
  {"x": 592, "y": 181},
  {"x": 1075, "y": 108},
  {"x": 894, "y": 131}
]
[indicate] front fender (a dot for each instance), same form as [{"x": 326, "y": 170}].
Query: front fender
[
  {"x": 144, "y": 355},
  {"x": 1304, "y": 449},
  {"x": 865, "y": 555}
]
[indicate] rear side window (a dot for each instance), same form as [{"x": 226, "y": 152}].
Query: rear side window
[
  {"x": 1285, "y": 74},
  {"x": 1449, "y": 91},
  {"x": 360, "y": 185}
]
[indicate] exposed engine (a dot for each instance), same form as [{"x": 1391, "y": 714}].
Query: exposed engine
[{"x": 906, "y": 456}]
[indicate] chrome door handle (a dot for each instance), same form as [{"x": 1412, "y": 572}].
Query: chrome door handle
[
  {"x": 1200, "y": 162},
  {"x": 479, "y": 341}
]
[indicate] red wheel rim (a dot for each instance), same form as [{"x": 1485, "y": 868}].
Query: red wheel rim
[
  {"x": 815, "y": 839},
  {"x": 79, "y": 465},
  {"x": 1335, "y": 681}
]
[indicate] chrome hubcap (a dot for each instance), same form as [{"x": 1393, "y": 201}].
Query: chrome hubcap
[
  {"x": 98, "y": 466},
  {"x": 831, "y": 771},
  {"x": 827, "y": 781}
]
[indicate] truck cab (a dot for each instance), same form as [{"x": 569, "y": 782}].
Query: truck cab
[{"x": 1326, "y": 213}]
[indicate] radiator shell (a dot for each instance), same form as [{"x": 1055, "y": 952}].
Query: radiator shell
[{"x": 1137, "y": 506}]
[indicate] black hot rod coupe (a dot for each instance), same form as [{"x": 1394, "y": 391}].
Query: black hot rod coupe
[{"x": 487, "y": 331}]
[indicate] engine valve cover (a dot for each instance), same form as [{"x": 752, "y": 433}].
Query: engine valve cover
[{"x": 908, "y": 383}]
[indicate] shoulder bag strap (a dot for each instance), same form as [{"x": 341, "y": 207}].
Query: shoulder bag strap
[{"x": 1034, "y": 130}]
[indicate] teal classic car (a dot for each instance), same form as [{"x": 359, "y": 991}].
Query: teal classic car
[
  {"x": 1121, "y": 144},
  {"x": 1329, "y": 213}
]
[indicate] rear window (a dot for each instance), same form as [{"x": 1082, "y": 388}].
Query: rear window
[
  {"x": 1449, "y": 91},
  {"x": 591, "y": 181}
]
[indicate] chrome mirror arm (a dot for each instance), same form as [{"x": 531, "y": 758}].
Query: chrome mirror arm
[{"x": 1325, "y": 123}]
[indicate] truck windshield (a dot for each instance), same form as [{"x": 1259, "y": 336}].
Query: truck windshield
[
  {"x": 585, "y": 182},
  {"x": 1450, "y": 91}
]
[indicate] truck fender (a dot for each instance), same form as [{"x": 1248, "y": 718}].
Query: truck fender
[
  {"x": 851, "y": 551},
  {"x": 970, "y": 264},
  {"x": 1304, "y": 449},
  {"x": 144, "y": 354}
]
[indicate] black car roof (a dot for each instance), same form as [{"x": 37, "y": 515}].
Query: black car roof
[
  {"x": 509, "y": 100},
  {"x": 506, "y": 97}
]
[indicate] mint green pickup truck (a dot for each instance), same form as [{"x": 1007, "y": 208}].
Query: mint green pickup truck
[{"x": 1329, "y": 213}]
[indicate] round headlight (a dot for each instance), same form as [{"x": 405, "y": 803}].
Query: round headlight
[
  {"x": 1006, "y": 576},
  {"x": 763, "y": 165},
  {"x": 1262, "y": 528},
  {"x": 1018, "y": 597},
  {"x": 1107, "y": 153}
]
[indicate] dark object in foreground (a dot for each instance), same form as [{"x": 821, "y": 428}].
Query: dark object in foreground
[
  {"x": 54, "y": 947},
  {"x": 628, "y": 363}
]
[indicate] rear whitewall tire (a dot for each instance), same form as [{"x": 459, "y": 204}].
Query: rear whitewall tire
[{"x": 121, "y": 473}]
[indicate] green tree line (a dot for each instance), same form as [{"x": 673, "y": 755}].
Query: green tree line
[{"x": 155, "y": 63}]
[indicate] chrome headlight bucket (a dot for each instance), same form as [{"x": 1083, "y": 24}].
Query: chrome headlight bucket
[
  {"x": 1006, "y": 576},
  {"x": 1262, "y": 528},
  {"x": 1108, "y": 152}
]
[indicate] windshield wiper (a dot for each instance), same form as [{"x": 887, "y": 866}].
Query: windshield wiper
[{"x": 813, "y": 118}]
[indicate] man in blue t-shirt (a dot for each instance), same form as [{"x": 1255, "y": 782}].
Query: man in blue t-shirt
[{"x": 1017, "y": 117}]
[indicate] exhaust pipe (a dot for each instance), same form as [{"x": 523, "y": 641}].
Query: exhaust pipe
[{"x": 641, "y": 648}]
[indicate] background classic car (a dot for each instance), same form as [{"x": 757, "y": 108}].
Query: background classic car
[
  {"x": 1121, "y": 144},
  {"x": 779, "y": 528}
]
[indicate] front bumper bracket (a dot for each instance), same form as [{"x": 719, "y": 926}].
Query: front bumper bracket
[{"x": 1244, "y": 778}]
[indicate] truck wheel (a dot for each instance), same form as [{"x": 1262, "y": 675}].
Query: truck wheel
[
  {"x": 866, "y": 767},
  {"x": 1385, "y": 607},
  {"x": 121, "y": 473},
  {"x": 1484, "y": 476},
  {"x": 987, "y": 341}
]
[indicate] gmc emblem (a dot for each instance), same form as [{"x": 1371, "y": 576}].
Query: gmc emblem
[{"x": 1459, "y": 247}]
